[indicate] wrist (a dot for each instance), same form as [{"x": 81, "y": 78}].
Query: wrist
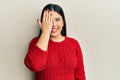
[{"x": 46, "y": 31}]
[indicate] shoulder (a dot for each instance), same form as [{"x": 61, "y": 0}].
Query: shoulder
[
  {"x": 75, "y": 44},
  {"x": 34, "y": 40},
  {"x": 73, "y": 41}
]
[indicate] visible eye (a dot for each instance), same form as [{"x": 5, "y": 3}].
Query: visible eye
[{"x": 57, "y": 19}]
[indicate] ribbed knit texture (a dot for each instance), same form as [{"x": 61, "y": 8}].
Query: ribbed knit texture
[{"x": 62, "y": 61}]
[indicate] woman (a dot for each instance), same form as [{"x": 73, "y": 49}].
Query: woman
[{"x": 53, "y": 55}]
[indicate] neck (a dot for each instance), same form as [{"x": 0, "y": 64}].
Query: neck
[{"x": 57, "y": 38}]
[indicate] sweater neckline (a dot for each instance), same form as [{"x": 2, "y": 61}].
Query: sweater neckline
[{"x": 61, "y": 42}]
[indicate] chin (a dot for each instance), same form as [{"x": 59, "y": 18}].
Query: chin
[{"x": 54, "y": 34}]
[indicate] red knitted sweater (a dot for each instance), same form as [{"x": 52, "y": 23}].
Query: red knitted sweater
[{"x": 62, "y": 61}]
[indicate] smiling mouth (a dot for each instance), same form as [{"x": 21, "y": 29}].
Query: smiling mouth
[{"x": 54, "y": 30}]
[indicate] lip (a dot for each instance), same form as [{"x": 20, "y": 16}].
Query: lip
[{"x": 54, "y": 30}]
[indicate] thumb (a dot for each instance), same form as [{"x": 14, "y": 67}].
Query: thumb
[{"x": 39, "y": 22}]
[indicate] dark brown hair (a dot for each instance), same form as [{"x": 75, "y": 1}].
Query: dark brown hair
[{"x": 57, "y": 9}]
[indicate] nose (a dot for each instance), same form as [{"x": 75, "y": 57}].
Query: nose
[{"x": 53, "y": 22}]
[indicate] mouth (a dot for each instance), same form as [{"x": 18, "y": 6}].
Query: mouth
[{"x": 54, "y": 30}]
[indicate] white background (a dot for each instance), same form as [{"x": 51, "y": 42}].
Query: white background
[{"x": 94, "y": 23}]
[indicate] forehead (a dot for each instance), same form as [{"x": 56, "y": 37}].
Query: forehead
[{"x": 55, "y": 14}]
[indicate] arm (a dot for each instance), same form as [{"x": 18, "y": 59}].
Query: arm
[
  {"x": 79, "y": 71},
  {"x": 36, "y": 58},
  {"x": 46, "y": 27}
]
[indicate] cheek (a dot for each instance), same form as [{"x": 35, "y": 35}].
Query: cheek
[
  {"x": 60, "y": 27},
  {"x": 60, "y": 24}
]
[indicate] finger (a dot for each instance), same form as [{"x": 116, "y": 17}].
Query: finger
[
  {"x": 44, "y": 15},
  {"x": 50, "y": 14},
  {"x": 39, "y": 22},
  {"x": 46, "y": 18}
]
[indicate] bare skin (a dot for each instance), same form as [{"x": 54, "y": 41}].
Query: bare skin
[{"x": 51, "y": 27}]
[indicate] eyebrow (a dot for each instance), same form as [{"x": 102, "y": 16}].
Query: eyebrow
[{"x": 58, "y": 18}]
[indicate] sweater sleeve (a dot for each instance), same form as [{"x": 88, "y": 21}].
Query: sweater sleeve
[
  {"x": 79, "y": 71},
  {"x": 35, "y": 58}
]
